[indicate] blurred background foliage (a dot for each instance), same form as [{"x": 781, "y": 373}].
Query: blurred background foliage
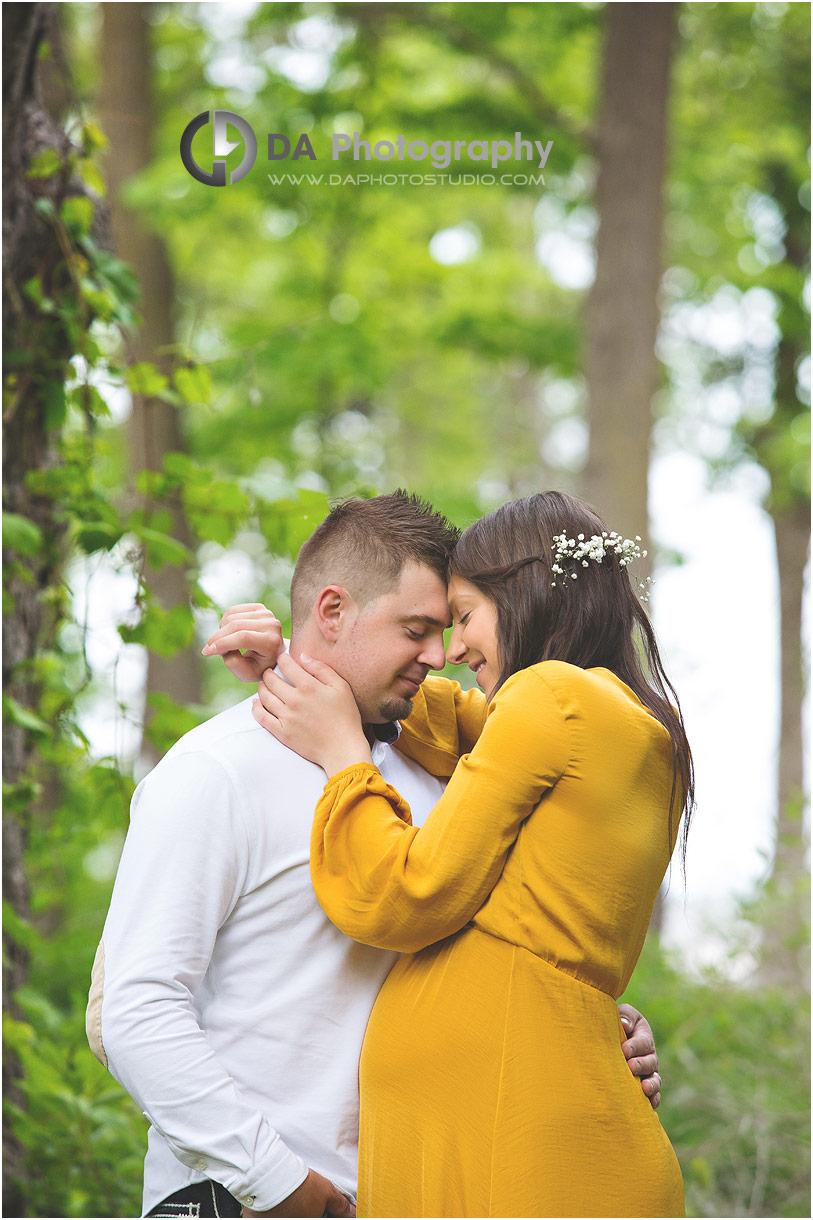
[{"x": 193, "y": 373}]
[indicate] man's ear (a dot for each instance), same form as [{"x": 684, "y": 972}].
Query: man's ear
[{"x": 332, "y": 609}]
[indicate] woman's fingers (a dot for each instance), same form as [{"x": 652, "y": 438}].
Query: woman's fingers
[
  {"x": 256, "y": 612},
  {"x": 272, "y": 686},
  {"x": 247, "y": 608},
  {"x": 308, "y": 673},
  {"x": 265, "y": 718},
  {"x": 270, "y": 700},
  {"x": 323, "y": 672},
  {"x": 230, "y": 641}
]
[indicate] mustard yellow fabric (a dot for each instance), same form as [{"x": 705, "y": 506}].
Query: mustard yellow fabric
[
  {"x": 492, "y": 1079},
  {"x": 444, "y": 723}
]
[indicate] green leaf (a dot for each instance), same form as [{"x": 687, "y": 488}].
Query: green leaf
[
  {"x": 101, "y": 303},
  {"x": 88, "y": 399},
  {"x": 168, "y": 722},
  {"x": 162, "y": 631},
  {"x": 152, "y": 484},
  {"x": 181, "y": 467},
  {"x": 18, "y": 928},
  {"x": 113, "y": 271},
  {"x": 170, "y": 397},
  {"x": 145, "y": 379},
  {"x": 93, "y": 137},
  {"x": 98, "y": 536},
  {"x": 193, "y": 384},
  {"x": 56, "y": 404},
  {"x": 17, "y": 1035},
  {"x": 163, "y": 548},
  {"x": 77, "y": 215},
  {"x": 91, "y": 175},
  {"x": 33, "y": 290},
  {"x": 22, "y": 535},
  {"x": 23, "y": 716},
  {"x": 43, "y": 164},
  {"x": 18, "y": 798},
  {"x": 289, "y": 523},
  {"x": 88, "y": 347}
]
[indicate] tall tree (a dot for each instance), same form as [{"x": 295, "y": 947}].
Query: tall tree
[
  {"x": 622, "y": 307},
  {"x": 42, "y": 309},
  {"x": 779, "y": 447},
  {"x": 127, "y": 117}
]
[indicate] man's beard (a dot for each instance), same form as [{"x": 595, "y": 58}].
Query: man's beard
[{"x": 394, "y": 708}]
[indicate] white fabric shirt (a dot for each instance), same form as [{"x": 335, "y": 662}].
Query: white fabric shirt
[{"x": 232, "y": 1010}]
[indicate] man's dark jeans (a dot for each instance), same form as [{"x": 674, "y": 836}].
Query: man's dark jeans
[{"x": 199, "y": 1199}]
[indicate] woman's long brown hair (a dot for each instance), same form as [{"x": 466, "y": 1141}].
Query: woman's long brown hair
[{"x": 593, "y": 621}]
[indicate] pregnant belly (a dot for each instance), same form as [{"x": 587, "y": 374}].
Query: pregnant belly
[
  {"x": 476, "y": 1006},
  {"x": 494, "y": 1080}
]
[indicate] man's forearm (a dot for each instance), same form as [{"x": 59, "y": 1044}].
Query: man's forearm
[{"x": 180, "y": 876}]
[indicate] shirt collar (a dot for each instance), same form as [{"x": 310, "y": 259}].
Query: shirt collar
[{"x": 388, "y": 733}]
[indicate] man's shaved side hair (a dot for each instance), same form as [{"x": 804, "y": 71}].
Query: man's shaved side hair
[{"x": 364, "y": 545}]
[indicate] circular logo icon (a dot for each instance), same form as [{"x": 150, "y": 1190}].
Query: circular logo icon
[{"x": 221, "y": 147}]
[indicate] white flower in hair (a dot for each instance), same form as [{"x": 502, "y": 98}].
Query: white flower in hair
[{"x": 584, "y": 550}]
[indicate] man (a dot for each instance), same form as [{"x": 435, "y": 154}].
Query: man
[{"x": 223, "y": 999}]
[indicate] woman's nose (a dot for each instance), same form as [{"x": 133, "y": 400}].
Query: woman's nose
[{"x": 456, "y": 651}]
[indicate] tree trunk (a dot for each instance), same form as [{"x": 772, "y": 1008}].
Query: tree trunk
[
  {"x": 785, "y": 954},
  {"x": 622, "y": 307},
  {"x": 792, "y": 527},
  {"x": 155, "y": 427},
  {"x": 33, "y": 344},
  {"x": 785, "y": 959}
]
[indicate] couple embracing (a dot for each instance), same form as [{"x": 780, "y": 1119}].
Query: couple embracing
[{"x": 507, "y": 842}]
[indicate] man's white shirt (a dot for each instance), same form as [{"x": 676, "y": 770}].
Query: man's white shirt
[{"x": 232, "y": 1010}]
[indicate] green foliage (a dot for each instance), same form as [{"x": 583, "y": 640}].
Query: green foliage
[
  {"x": 21, "y": 535},
  {"x": 43, "y": 164},
  {"x": 85, "y": 1139},
  {"x": 89, "y": 1137},
  {"x": 327, "y": 348},
  {"x": 170, "y": 720},
  {"x": 736, "y": 1069},
  {"x": 740, "y": 223}
]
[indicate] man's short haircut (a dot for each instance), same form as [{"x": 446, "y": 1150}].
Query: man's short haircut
[{"x": 364, "y": 545}]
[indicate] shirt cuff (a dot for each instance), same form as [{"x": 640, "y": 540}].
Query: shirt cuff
[{"x": 271, "y": 1181}]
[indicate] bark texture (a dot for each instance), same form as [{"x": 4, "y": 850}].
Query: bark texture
[
  {"x": 785, "y": 959},
  {"x": 622, "y": 306},
  {"x": 127, "y": 119},
  {"x": 785, "y": 956},
  {"x": 37, "y": 349}
]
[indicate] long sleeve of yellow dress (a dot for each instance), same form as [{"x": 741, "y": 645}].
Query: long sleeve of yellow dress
[
  {"x": 386, "y": 883},
  {"x": 522, "y": 904},
  {"x": 445, "y": 722}
]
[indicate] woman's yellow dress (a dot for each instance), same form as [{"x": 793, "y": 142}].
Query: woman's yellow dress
[{"x": 492, "y": 1079}]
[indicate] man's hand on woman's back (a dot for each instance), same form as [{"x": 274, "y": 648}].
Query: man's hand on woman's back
[
  {"x": 317, "y": 1196},
  {"x": 640, "y": 1053}
]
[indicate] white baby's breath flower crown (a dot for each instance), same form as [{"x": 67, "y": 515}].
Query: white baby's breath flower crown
[{"x": 584, "y": 550}]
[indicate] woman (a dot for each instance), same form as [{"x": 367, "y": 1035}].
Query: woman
[{"x": 524, "y": 900}]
